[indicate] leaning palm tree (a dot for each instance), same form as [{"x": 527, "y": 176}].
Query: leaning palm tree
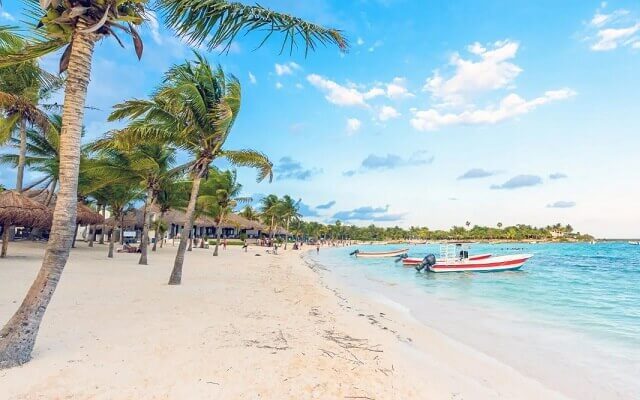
[
  {"x": 289, "y": 211},
  {"x": 76, "y": 25},
  {"x": 220, "y": 194},
  {"x": 195, "y": 110}
]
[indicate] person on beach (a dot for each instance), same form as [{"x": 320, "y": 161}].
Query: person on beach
[
  {"x": 317, "y": 249},
  {"x": 245, "y": 245},
  {"x": 224, "y": 244}
]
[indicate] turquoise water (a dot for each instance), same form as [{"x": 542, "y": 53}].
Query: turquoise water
[{"x": 571, "y": 315}]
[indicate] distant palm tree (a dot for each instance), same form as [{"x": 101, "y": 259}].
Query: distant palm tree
[
  {"x": 195, "y": 110},
  {"x": 77, "y": 29},
  {"x": 249, "y": 213},
  {"x": 499, "y": 225},
  {"x": 289, "y": 212},
  {"x": 468, "y": 224},
  {"x": 219, "y": 195},
  {"x": 270, "y": 212}
]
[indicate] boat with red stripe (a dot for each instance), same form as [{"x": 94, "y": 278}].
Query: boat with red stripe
[
  {"x": 411, "y": 261},
  {"x": 454, "y": 257}
]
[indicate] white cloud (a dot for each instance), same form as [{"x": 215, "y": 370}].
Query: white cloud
[
  {"x": 376, "y": 44},
  {"x": 493, "y": 70},
  {"x": 397, "y": 89},
  {"x": 252, "y": 78},
  {"x": 154, "y": 27},
  {"x": 279, "y": 85},
  {"x": 357, "y": 95},
  {"x": 509, "y": 107},
  {"x": 387, "y": 112},
  {"x": 353, "y": 126},
  {"x": 286, "y": 69},
  {"x": 360, "y": 41},
  {"x": 6, "y": 16},
  {"x": 338, "y": 94},
  {"x": 299, "y": 86},
  {"x": 612, "y": 38},
  {"x": 609, "y": 31}
]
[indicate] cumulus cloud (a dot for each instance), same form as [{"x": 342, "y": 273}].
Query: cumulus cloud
[
  {"x": 287, "y": 69},
  {"x": 509, "y": 107},
  {"x": 353, "y": 125},
  {"x": 519, "y": 181},
  {"x": 154, "y": 27},
  {"x": 360, "y": 41},
  {"x": 6, "y": 16},
  {"x": 252, "y": 78},
  {"x": 611, "y": 30},
  {"x": 368, "y": 213},
  {"x": 557, "y": 175},
  {"x": 327, "y": 205},
  {"x": 387, "y": 112},
  {"x": 279, "y": 85},
  {"x": 288, "y": 168},
  {"x": 562, "y": 204},
  {"x": 488, "y": 69},
  {"x": 358, "y": 95},
  {"x": 476, "y": 173}
]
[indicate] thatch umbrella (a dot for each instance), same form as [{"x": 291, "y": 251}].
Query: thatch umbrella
[
  {"x": 18, "y": 209},
  {"x": 86, "y": 216}
]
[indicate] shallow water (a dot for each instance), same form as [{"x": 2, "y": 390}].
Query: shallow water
[{"x": 570, "y": 317}]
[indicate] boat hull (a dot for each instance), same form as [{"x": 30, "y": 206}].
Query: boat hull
[
  {"x": 490, "y": 264},
  {"x": 411, "y": 261},
  {"x": 381, "y": 254}
]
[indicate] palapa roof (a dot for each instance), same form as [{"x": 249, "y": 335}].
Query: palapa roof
[
  {"x": 87, "y": 216},
  {"x": 18, "y": 209}
]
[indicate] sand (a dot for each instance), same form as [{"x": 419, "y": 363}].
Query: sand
[{"x": 241, "y": 326}]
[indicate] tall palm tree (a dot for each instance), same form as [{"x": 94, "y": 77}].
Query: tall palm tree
[
  {"x": 172, "y": 195},
  {"x": 220, "y": 194},
  {"x": 289, "y": 212},
  {"x": 195, "y": 110},
  {"x": 78, "y": 24}
]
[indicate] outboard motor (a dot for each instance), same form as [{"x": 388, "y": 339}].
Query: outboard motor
[
  {"x": 356, "y": 251},
  {"x": 428, "y": 261}
]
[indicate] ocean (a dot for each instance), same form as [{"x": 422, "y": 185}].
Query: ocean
[{"x": 570, "y": 317}]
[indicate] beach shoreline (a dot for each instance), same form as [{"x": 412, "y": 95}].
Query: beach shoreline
[{"x": 242, "y": 326}]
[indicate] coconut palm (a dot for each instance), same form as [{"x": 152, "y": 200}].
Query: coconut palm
[
  {"x": 195, "y": 110},
  {"x": 249, "y": 213},
  {"x": 172, "y": 195},
  {"x": 219, "y": 195},
  {"x": 289, "y": 212},
  {"x": 78, "y": 24},
  {"x": 148, "y": 164},
  {"x": 270, "y": 212}
]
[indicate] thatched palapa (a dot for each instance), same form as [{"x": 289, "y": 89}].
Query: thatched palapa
[
  {"x": 18, "y": 209},
  {"x": 87, "y": 216}
]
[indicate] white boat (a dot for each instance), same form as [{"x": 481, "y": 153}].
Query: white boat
[
  {"x": 455, "y": 258},
  {"x": 411, "y": 261},
  {"x": 379, "y": 254},
  {"x": 635, "y": 243}
]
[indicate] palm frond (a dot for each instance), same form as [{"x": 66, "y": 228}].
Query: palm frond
[
  {"x": 218, "y": 23},
  {"x": 252, "y": 159}
]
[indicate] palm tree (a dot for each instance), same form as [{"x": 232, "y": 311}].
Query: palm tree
[
  {"x": 148, "y": 164},
  {"x": 171, "y": 196},
  {"x": 270, "y": 212},
  {"x": 78, "y": 25},
  {"x": 289, "y": 212},
  {"x": 249, "y": 213},
  {"x": 195, "y": 110},
  {"x": 219, "y": 196}
]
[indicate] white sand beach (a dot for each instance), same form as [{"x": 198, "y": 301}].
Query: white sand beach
[{"x": 240, "y": 326}]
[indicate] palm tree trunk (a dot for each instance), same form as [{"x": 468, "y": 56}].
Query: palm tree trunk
[
  {"x": 286, "y": 235},
  {"x": 218, "y": 234},
  {"x": 49, "y": 197},
  {"x": 22, "y": 155},
  {"x": 5, "y": 241},
  {"x": 92, "y": 234},
  {"x": 18, "y": 336},
  {"x": 176, "y": 273},
  {"x": 155, "y": 242},
  {"x": 112, "y": 238},
  {"x": 104, "y": 215},
  {"x": 190, "y": 240},
  {"x": 75, "y": 234},
  {"x": 148, "y": 202}
]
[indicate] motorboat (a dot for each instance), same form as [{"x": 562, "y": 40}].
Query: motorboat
[
  {"x": 455, "y": 258},
  {"x": 379, "y": 254},
  {"x": 411, "y": 261}
]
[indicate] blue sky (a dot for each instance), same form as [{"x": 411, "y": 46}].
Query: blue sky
[{"x": 487, "y": 111}]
